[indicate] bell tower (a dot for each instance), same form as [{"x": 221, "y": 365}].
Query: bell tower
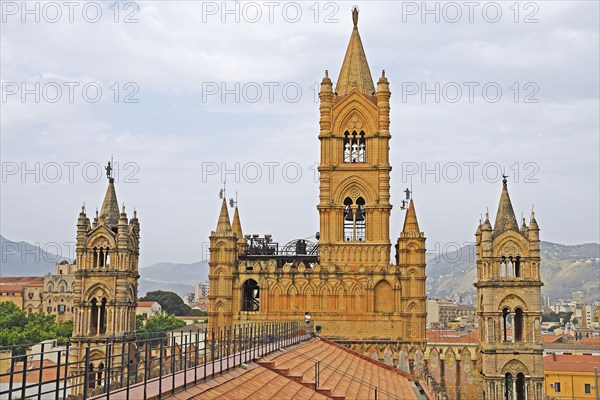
[
  {"x": 106, "y": 282},
  {"x": 508, "y": 305},
  {"x": 354, "y": 206}
]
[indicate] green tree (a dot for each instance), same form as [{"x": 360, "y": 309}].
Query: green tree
[
  {"x": 550, "y": 317},
  {"x": 163, "y": 323},
  {"x": 20, "y": 329},
  {"x": 170, "y": 302}
]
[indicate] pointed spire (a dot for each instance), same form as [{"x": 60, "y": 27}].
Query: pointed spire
[
  {"x": 505, "y": 218},
  {"x": 410, "y": 222},
  {"x": 224, "y": 225},
  {"x": 355, "y": 71},
  {"x": 109, "y": 213},
  {"x": 236, "y": 225}
]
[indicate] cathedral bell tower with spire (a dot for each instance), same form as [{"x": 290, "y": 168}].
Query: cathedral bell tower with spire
[
  {"x": 354, "y": 206},
  {"x": 508, "y": 306},
  {"x": 106, "y": 281}
]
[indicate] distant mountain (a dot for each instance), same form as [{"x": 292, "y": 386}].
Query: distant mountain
[
  {"x": 25, "y": 259},
  {"x": 178, "y": 278},
  {"x": 564, "y": 269}
]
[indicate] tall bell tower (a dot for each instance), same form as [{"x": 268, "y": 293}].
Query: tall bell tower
[
  {"x": 106, "y": 283},
  {"x": 508, "y": 305},
  {"x": 354, "y": 206}
]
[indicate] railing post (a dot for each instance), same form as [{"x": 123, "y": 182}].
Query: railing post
[
  {"x": 204, "y": 350},
  {"x": 197, "y": 343},
  {"x": 66, "y": 369},
  {"x": 173, "y": 363},
  {"x": 234, "y": 347},
  {"x": 108, "y": 369},
  {"x": 221, "y": 334},
  {"x": 146, "y": 356},
  {"x": 86, "y": 375},
  {"x": 41, "y": 372},
  {"x": 212, "y": 351},
  {"x": 185, "y": 356},
  {"x": 12, "y": 372},
  {"x": 57, "y": 382},
  {"x": 160, "y": 363},
  {"x": 128, "y": 370},
  {"x": 227, "y": 343}
]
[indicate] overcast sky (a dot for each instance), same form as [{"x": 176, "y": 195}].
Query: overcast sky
[{"x": 181, "y": 93}]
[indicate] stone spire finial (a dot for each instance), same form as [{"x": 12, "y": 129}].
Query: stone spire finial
[
  {"x": 355, "y": 71},
  {"x": 224, "y": 225},
  {"x": 410, "y": 222},
  {"x": 110, "y": 206},
  {"x": 505, "y": 218}
]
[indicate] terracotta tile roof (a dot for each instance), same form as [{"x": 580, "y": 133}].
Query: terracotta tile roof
[
  {"x": 551, "y": 338},
  {"x": 593, "y": 340},
  {"x": 11, "y": 288},
  {"x": 571, "y": 363},
  {"x": 343, "y": 371},
  {"x": 20, "y": 280},
  {"x": 258, "y": 383},
  {"x": 290, "y": 374},
  {"x": 145, "y": 303}
]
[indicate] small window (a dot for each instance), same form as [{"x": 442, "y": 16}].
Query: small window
[
  {"x": 49, "y": 309},
  {"x": 30, "y": 295},
  {"x": 588, "y": 388},
  {"x": 557, "y": 387}
]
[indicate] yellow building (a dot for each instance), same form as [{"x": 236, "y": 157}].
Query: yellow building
[
  {"x": 570, "y": 376},
  {"x": 346, "y": 281}
]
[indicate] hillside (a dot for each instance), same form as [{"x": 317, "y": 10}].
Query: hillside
[{"x": 565, "y": 269}]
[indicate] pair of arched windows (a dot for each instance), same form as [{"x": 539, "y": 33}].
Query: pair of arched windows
[
  {"x": 355, "y": 147},
  {"x": 510, "y": 267},
  {"x": 98, "y": 317},
  {"x": 517, "y": 320},
  {"x": 101, "y": 257},
  {"x": 514, "y": 389},
  {"x": 355, "y": 220}
]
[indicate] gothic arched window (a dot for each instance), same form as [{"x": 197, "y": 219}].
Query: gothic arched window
[
  {"x": 355, "y": 147},
  {"x": 518, "y": 325},
  {"x": 505, "y": 321},
  {"x": 518, "y": 267},
  {"x": 250, "y": 296},
  {"x": 508, "y": 386},
  {"x": 354, "y": 220},
  {"x": 520, "y": 386}
]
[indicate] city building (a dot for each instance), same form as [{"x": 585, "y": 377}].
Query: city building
[
  {"x": 347, "y": 281},
  {"x": 26, "y": 292},
  {"x": 569, "y": 376},
  {"x": 201, "y": 291},
  {"x": 58, "y": 291},
  {"x": 148, "y": 309}
]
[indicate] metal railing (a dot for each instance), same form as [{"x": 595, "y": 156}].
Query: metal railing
[{"x": 135, "y": 367}]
